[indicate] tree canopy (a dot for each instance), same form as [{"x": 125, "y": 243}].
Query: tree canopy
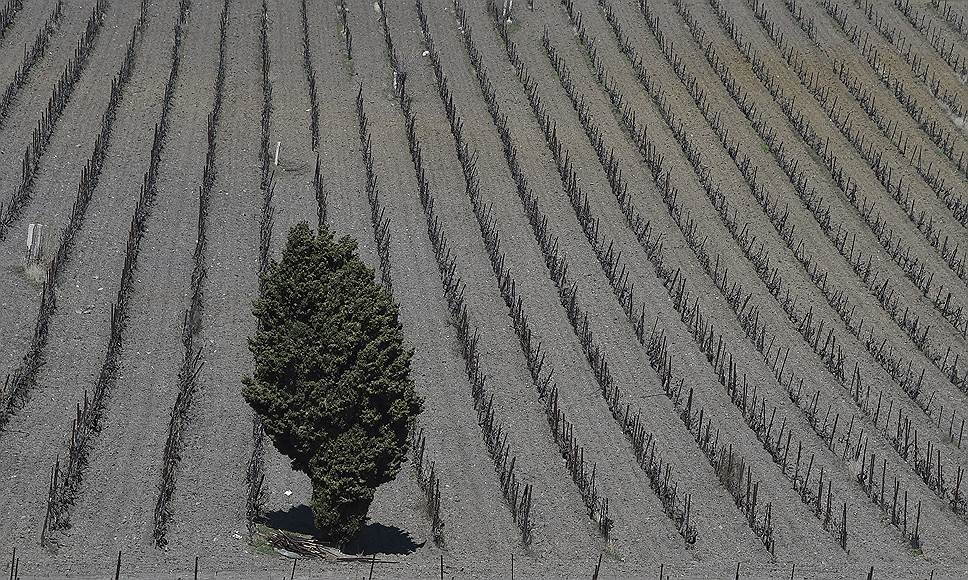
[{"x": 332, "y": 376}]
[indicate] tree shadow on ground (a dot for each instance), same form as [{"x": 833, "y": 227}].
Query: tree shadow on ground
[
  {"x": 380, "y": 539},
  {"x": 374, "y": 539},
  {"x": 297, "y": 519}
]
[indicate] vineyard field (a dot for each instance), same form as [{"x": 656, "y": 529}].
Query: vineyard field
[{"x": 685, "y": 281}]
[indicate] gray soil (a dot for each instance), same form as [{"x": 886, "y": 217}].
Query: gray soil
[{"x": 113, "y": 506}]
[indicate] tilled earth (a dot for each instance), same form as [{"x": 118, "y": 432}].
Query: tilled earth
[{"x": 685, "y": 280}]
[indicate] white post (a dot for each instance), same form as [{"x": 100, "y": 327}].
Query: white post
[
  {"x": 35, "y": 243},
  {"x": 278, "y": 145}
]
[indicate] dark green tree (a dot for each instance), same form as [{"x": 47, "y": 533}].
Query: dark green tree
[{"x": 332, "y": 376}]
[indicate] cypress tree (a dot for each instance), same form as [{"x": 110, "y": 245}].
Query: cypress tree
[{"x": 332, "y": 376}]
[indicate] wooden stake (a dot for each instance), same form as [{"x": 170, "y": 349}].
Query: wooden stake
[
  {"x": 196, "y": 567},
  {"x": 117, "y": 569},
  {"x": 737, "y": 570},
  {"x": 293, "y": 573},
  {"x": 372, "y": 564},
  {"x": 598, "y": 567}
]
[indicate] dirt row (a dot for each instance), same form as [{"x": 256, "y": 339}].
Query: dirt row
[
  {"x": 79, "y": 330},
  {"x": 789, "y": 527},
  {"x": 619, "y": 478},
  {"x": 763, "y": 268},
  {"x": 473, "y": 526},
  {"x": 67, "y": 152},
  {"x": 21, "y": 33},
  {"x": 887, "y": 326}
]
